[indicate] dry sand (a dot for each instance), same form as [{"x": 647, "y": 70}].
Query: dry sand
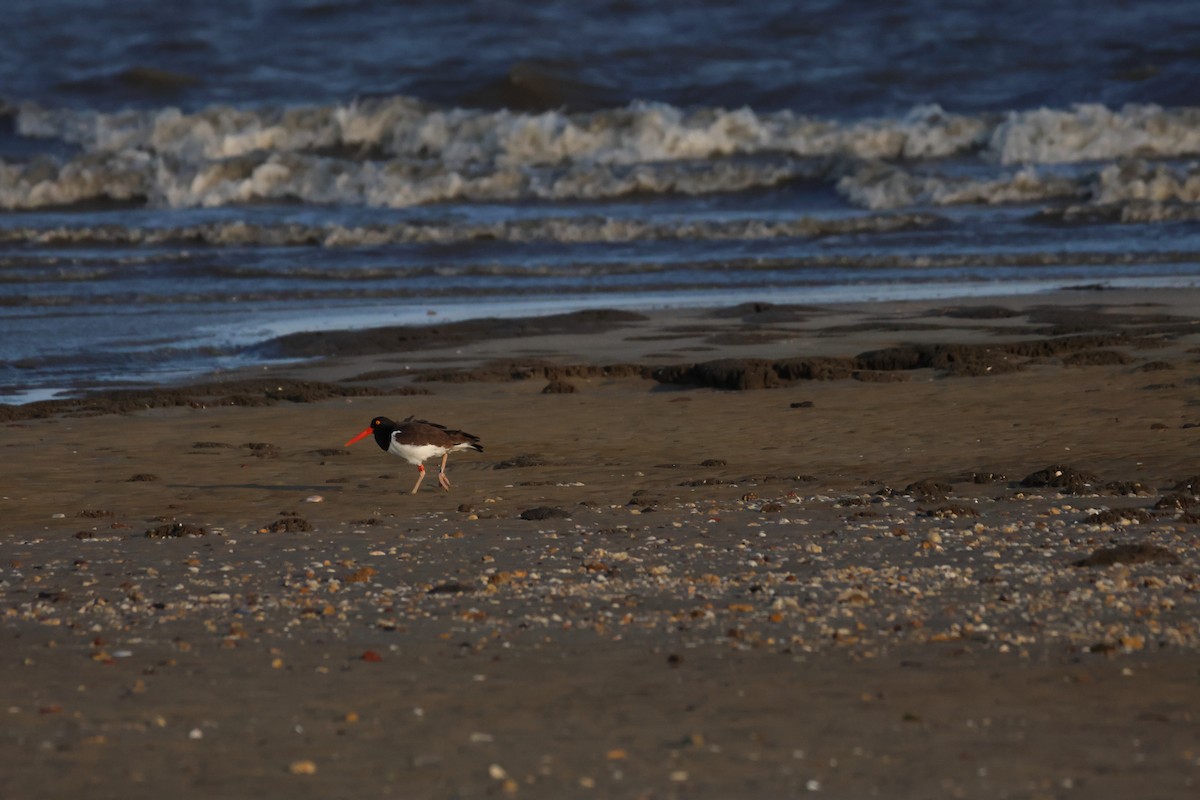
[{"x": 775, "y": 552}]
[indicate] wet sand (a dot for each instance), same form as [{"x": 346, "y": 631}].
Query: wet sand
[{"x": 939, "y": 549}]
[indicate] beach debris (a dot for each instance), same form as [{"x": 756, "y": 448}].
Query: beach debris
[
  {"x": 303, "y": 766},
  {"x": 288, "y": 524},
  {"x": 314, "y": 498},
  {"x": 1119, "y": 516},
  {"x": 952, "y": 511},
  {"x": 559, "y": 387},
  {"x": 928, "y": 489},
  {"x": 449, "y": 587},
  {"x": 545, "y": 512},
  {"x": 141, "y": 477},
  {"x": 981, "y": 477},
  {"x": 1139, "y": 553},
  {"x": 176, "y": 530},
  {"x": 1126, "y": 488},
  {"x": 1189, "y": 485},
  {"x": 1067, "y": 480}
]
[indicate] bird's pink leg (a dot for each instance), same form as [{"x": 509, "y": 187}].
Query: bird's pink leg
[
  {"x": 420, "y": 477},
  {"x": 442, "y": 479}
]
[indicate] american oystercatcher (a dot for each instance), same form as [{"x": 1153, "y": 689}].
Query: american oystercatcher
[{"x": 417, "y": 441}]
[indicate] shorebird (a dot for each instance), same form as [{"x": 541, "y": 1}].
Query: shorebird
[{"x": 417, "y": 441}]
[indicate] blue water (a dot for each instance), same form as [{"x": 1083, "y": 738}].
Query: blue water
[{"x": 180, "y": 181}]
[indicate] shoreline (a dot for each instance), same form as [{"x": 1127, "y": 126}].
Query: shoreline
[
  {"x": 360, "y": 321},
  {"x": 962, "y": 561}
]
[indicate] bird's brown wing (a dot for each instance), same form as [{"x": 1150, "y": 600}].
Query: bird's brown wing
[{"x": 420, "y": 431}]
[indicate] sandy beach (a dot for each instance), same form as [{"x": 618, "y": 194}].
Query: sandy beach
[{"x": 921, "y": 549}]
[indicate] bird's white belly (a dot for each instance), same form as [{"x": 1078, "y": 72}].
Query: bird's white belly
[{"x": 415, "y": 453}]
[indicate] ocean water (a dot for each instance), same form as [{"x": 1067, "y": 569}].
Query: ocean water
[{"x": 181, "y": 181}]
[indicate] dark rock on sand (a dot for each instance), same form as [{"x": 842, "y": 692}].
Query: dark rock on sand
[
  {"x": 175, "y": 530},
  {"x": 956, "y": 359},
  {"x": 559, "y": 387},
  {"x": 703, "y": 482},
  {"x": 1126, "y": 488},
  {"x": 545, "y": 512},
  {"x": 928, "y": 489},
  {"x": 1066, "y": 480},
  {"x": 1177, "y": 501},
  {"x": 982, "y": 477},
  {"x": 1189, "y": 485},
  {"x": 951, "y": 511},
  {"x": 140, "y": 477},
  {"x": 885, "y": 365},
  {"x": 1119, "y": 516},
  {"x": 449, "y": 587},
  {"x": 287, "y": 525},
  {"x": 1128, "y": 554},
  {"x": 987, "y": 359}
]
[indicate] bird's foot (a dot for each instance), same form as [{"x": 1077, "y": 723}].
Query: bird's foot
[{"x": 444, "y": 481}]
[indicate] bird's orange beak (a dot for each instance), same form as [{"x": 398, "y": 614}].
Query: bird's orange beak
[{"x": 362, "y": 435}]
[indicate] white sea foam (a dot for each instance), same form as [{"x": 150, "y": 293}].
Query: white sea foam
[
  {"x": 395, "y": 152},
  {"x": 1096, "y": 133}
]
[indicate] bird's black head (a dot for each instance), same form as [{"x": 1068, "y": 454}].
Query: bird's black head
[{"x": 382, "y": 427}]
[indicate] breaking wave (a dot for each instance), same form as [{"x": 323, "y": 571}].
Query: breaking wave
[{"x": 397, "y": 153}]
